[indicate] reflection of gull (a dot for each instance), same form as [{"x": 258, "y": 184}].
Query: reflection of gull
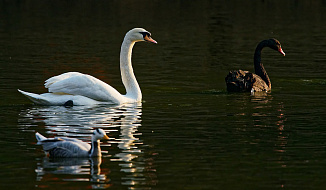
[{"x": 72, "y": 169}]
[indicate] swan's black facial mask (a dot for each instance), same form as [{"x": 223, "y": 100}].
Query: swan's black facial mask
[
  {"x": 147, "y": 37},
  {"x": 145, "y": 34}
]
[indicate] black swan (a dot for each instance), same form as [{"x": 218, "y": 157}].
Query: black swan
[{"x": 244, "y": 81}]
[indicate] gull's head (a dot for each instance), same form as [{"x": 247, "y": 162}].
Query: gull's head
[{"x": 100, "y": 134}]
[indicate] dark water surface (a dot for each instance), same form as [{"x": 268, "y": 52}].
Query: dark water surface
[{"x": 188, "y": 133}]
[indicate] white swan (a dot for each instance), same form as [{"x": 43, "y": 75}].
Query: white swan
[
  {"x": 75, "y": 88},
  {"x": 65, "y": 147}
]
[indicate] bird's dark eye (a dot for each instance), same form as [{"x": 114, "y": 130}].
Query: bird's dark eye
[
  {"x": 97, "y": 130},
  {"x": 145, "y": 34}
]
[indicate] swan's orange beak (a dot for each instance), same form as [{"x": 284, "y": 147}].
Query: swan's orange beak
[
  {"x": 281, "y": 51},
  {"x": 149, "y": 39}
]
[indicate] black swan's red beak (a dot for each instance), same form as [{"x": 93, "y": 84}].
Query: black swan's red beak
[{"x": 281, "y": 51}]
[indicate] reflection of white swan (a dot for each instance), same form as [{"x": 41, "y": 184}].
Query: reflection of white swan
[
  {"x": 69, "y": 147},
  {"x": 75, "y": 88},
  {"x": 59, "y": 120}
]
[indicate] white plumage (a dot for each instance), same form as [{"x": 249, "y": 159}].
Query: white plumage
[{"x": 83, "y": 89}]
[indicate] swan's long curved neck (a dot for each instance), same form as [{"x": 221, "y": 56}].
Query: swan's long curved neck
[
  {"x": 95, "y": 148},
  {"x": 127, "y": 74},
  {"x": 259, "y": 67}
]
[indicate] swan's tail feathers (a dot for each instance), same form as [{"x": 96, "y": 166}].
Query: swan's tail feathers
[
  {"x": 40, "y": 137},
  {"x": 36, "y": 98}
]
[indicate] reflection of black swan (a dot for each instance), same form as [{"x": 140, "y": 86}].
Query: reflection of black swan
[{"x": 244, "y": 81}]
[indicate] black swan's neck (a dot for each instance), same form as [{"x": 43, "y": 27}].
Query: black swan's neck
[{"x": 259, "y": 67}]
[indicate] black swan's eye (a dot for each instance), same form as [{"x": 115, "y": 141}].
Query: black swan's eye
[{"x": 277, "y": 43}]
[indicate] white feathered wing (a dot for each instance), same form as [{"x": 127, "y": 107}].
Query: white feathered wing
[{"x": 76, "y": 83}]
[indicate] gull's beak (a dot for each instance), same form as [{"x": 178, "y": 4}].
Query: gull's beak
[
  {"x": 105, "y": 137},
  {"x": 149, "y": 39}
]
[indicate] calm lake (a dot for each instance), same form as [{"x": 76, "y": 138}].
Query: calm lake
[{"x": 189, "y": 132}]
